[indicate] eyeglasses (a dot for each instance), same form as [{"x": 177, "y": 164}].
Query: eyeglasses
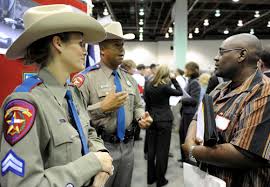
[{"x": 222, "y": 51}]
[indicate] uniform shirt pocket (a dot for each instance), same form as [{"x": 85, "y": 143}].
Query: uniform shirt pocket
[{"x": 66, "y": 144}]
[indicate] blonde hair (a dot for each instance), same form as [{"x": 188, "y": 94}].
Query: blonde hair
[
  {"x": 128, "y": 64},
  {"x": 162, "y": 76},
  {"x": 204, "y": 78}
]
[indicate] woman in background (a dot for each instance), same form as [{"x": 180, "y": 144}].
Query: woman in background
[
  {"x": 157, "y": 93},
  {"x": 190, "y": 102}
]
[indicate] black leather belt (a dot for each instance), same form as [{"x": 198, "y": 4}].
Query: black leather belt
[{"x": 112, "y": 138}]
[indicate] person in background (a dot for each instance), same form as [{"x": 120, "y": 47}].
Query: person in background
[
  {"x": 139, "y": 77},
  {"x": 180, "y": 78},
  {"x": 203, "y": 80},
  {"x": 129, "y": 66},
  {"x": 242, "y": 106},
  {"x": 264, "y": 62},
  {"x": 114, "y": 102},
  {"x": 189, "y": 103},
  {"x": 157, "y": 93},
  {"x": 46, "y": 142}
]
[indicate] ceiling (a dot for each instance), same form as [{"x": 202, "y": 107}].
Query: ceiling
[{"x": 158, "y": 18}]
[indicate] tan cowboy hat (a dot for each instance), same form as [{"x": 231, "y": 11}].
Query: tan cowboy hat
[
  {"x": 42, "y": 21},
  {"x": 114, "y": 31}
]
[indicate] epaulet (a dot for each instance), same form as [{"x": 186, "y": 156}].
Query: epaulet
[
  {"x": 79, "y": 78},
  {"x": 29, "y": 84},
  {"x": 90, "y": 68}
]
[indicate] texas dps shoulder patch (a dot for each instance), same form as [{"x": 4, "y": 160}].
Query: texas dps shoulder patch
[
  {"x": 78, "y": 80},
  {"x": 18, "y": 120}
]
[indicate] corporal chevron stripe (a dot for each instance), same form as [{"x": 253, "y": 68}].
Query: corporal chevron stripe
[{"x": 12, "y": 163}]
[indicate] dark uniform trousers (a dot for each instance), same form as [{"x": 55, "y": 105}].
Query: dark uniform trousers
[{"x": 159, "y": 138}]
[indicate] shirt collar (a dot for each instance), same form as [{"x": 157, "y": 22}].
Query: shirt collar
[
  {"x": 55, "y": 88},
  {"x": 254, "y": 81},
  {"x": 108, "y": 71}
]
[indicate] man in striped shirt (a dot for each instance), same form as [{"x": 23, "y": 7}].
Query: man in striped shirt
[{"x": 243, "y": 107}]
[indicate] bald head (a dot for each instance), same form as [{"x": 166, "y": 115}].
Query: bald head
[{"x": 249, "y": 42}]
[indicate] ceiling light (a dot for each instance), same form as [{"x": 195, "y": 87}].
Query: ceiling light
[
  {"x": 268, "y": 25},
  {"x": 141, "y": 22},
  {"x": 174, "y": 23},
  {"x": 190, "y": 35},
  {"x": 235, "y": 0},
  {"x": 206, "y": 22},
  {"x": 240, "y": 23},
  {"x": 196, "y": 30},
  {"x": 141, "y": 39},
  {"x": 170, "y": 30},
  {"x": 217, "y": 14},
  {"x": 141, "y": 13},
  {"x": 257, "y": 14},
  {"x": 226, "y": 31},
  {"x": 167, "y": 35},
  {"x": 252, "y": 31},
  {"x": 141, "y": 29},
  {"x": 105, "y": 12}
]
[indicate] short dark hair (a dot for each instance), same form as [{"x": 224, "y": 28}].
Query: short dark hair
[
  {"x": 39, "y": 51},
  {"x": 152, "y": 66},
  {"x": 265, "y": 56},
  {"x": 140, "y": 67}
]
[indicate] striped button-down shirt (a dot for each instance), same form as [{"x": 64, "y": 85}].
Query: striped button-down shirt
[{"x": 248, "y": 109}]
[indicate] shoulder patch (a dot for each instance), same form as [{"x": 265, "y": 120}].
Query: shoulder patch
[
  {"x": 78, "y": 79},
  {"x": 19, "y": 117},
  {"x": 29, "y": 84},
  {"x": 13, "y": 163}
]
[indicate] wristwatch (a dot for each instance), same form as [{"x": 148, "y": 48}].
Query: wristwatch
[{"x": 190, "y": 156}]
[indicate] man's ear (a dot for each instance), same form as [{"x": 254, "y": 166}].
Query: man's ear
[
  {"x": 243, "y": 55},
  {"x": 57, "y": 43}
]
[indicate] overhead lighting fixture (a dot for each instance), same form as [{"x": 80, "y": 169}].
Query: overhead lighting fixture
[
  {"x": 240, "y": 23},
  {"x": 235, "y": 1},
  {"x": 141, "y": 29},
  {"x": 206, "y": 22},
  {"x": 252, "y": 31},
  {"x": 141, "y": 13},
  {"x": 257, "y": 14},
  {"x": 167, "y": 35},
  {"x": 196, "y": 30},
  {"x": 174, "y": 23},
  {"x": 268, "y": 25},
  {"x": 170, "y": 30},
  {"x": 226, "y": 31},
  {"x": 190, "y": 35},
  {"x": 217, "y": 14},
  {"x": 105, "y": 12},
  {"x": 141, "y": 22}
]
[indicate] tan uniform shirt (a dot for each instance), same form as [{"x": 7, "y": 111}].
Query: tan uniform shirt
[
  {"x": 51, "y": 149},
  {"x": 97, "y": 84}
]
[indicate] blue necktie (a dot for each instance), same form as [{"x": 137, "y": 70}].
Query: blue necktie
[
  {"x": 74, "y": 115},
  {"x": 121, "y": 111}
]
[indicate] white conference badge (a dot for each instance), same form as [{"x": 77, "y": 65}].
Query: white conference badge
[{"x": 222, "y": 122}]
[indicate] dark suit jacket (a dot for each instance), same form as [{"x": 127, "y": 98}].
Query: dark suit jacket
[
  {"x": 189, "y": 105},
  {"x": 157, "y": 100}
]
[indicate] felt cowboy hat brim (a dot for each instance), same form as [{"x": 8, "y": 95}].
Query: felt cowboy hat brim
[
  {"x": 55, "y": 23},
  {"x": 114, "y": 31},
  {"x": 128, "y": 36}
]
